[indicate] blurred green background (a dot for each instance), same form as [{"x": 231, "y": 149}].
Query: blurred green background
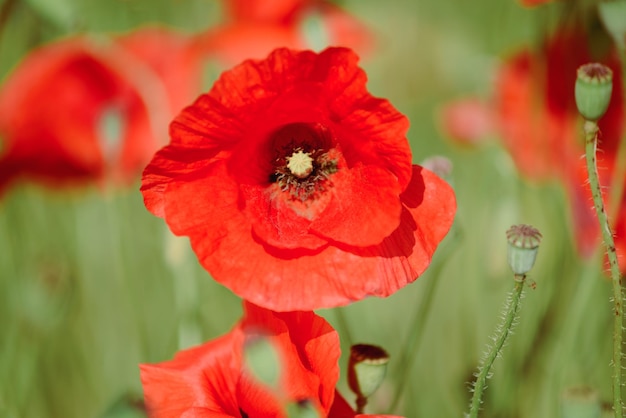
[{"x": 91, "y": 284}]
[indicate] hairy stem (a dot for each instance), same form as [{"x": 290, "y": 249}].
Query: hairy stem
[
  {"x": 503, "y": 331},
  {"x": 591, "y": 140}
]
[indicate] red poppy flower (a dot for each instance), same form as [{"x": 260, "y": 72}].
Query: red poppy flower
[
  {"x": 296, "y": 186},
  {"x": 211, "y": 380},
  {"x": 468, "y": 121},
  {"x": 541, "y": 127},
  {"x": 78, "y": 110},
  {"x": 255, "y": 28},
  {"x": 341, "y": 28}
]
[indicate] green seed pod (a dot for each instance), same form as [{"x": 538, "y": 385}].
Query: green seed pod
[
  {"x": 523, "y": 246},
  {"x": 366, "y": 369},
  {"x": 594, "y": 84},
  {"x": 580, "y": 402}
]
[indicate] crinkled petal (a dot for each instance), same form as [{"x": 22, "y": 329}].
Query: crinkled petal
[
  {"x": 287, "y": 280},
  {"x": 364, "y": 208}
]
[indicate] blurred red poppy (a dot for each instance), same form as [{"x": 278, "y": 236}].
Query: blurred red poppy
[
  {"x": 213, "y": 380},
  {"x": 253, "y": 29},
  {"x": 467, "y": 121},
  {"x": 85, "y": 109},
  {"x": 541, "y": 127},
  {"x": 296, "y": 186},
  {"x": 532, "y": 3}
]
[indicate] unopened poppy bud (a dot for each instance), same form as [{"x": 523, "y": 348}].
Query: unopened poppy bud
[
  {"x": 580, "y": 402},
  {"x": 613, "y": 16},
  {"x": 366, "y": 369},
  {"x": 523, "y": 246},
  {"x": 262, "y": 361},
  {"x": 594, "y": 84}
]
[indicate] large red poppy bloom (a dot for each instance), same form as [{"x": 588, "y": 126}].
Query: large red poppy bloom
[
  {"x": 77, "y": 110},
  {"x": 541, "y": 126},
  {"x": 296, "y": 186},
  {"x": 211, "y": 380}
]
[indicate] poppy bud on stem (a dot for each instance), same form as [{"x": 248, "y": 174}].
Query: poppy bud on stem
[
  {"x": 366, "y": 370},
  {"x": 593, "y": 88},
  {"x": 591, "y": 73},
  {"x": 522, "y": 250},
  {"x": 523, "y": 241}
]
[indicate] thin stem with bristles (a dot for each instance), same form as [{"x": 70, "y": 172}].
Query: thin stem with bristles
[
  {"x": 503, "y": 331},
  {"x": 591, "y": 140}
]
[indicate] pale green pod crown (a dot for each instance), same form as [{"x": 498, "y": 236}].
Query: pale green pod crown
[{"x": 523, "y": 245}]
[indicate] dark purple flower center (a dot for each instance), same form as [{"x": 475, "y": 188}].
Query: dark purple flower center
[{"x": 302, "y": 159}]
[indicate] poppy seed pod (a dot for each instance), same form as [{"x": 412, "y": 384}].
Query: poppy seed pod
[
  {"x": 523, "y": 244},
  {"x": 594, "y": 84},
  {"x": 366, "y": 369}
]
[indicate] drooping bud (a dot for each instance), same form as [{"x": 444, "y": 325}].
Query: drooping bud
[
  {"x": 613, "y": 16},
  {"x": 580, "y": 402},
  {"x": 366, "y": 369},
  {"x": 594, "y": 84},
  {"x": 523, "y": 245},
  {"x": 262, "y": 361}
]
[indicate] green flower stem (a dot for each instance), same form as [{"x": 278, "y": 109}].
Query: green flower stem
[
  {"x": 591, "y": 140},
  {"x": 504, "y": 330}
]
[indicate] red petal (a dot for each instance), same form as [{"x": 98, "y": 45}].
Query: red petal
[
  {"x": 364, "y": 199},
  {"x": 309, "y": 349},
  {"x": 275, "y": 221},
  {"x": 287, "y": 280},
  {"x": 340, "y": 408},
  {"x": 200, "y": 379}
]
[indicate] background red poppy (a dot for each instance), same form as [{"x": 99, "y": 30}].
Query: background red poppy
[{"x": 79, "y": 109}]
